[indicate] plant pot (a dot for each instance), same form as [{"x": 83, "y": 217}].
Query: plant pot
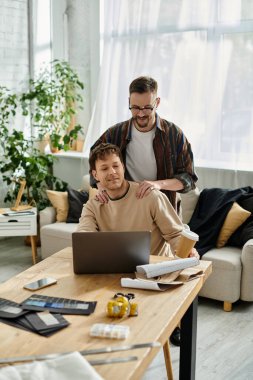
[{"x": 53, "y": 149}]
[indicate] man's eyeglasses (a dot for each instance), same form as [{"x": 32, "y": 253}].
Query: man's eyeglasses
[{"x": 146, "y": 110}]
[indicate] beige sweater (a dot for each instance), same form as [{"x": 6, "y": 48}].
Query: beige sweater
[{"x": 152, "y": 213}]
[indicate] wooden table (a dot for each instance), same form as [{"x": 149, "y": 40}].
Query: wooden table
[
  {"x": 159, "y": 314},
  {"x": 20, "y": 225}
]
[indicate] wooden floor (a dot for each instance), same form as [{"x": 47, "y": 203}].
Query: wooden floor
[{"x": 224, "y": 340}]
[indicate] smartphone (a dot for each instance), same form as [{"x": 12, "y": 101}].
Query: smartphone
[{"x": 39, "y": 284}]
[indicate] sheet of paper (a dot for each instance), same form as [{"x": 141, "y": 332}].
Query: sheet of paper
[
  {"x": 168, "y": 266},
  {"x": 164, "y": 279},
  {"x": 148, "y": 285},
  {"x": 190, "y": 274}
]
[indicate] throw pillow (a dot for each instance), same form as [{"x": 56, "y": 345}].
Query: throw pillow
[
  {"x": 234, "y": 219},
  {"x": 188, "y": 203},
  {"x": 76, "y": 201},
  {"x": 59, "y": 200}
]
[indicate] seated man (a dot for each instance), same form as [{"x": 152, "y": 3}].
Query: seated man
[{"x": 125, "y": 212}]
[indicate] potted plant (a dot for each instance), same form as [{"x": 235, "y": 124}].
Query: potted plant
[
  {"x": 52, "y": 102},
  {"x": 21, "y": 159}
]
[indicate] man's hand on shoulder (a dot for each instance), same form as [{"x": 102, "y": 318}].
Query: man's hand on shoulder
[
  {"x": 145, "y": 187},
  {"x": 102, "y": 195}
]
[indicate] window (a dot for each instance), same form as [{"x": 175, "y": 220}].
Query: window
[
  {"x": 41, "y": 34},
  {"x": 201, "y": 54}
]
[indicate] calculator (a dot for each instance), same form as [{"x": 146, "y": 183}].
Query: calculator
[
  {"x": 10, "y": 309},
  {"x": 58, "y": 305}
]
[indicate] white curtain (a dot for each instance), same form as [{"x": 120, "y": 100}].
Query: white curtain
[{"x": 201, "y": 54}]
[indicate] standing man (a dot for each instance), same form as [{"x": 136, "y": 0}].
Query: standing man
[{"x": 155, "y": 151}]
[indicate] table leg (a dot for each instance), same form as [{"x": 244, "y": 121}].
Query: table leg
[
  {"x": 188, "y": 343},
  {"x": 167, "y": 357},
  {"x": 34, "y": 248}
]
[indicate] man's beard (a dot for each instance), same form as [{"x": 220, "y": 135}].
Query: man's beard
[{"x": 142, "y": 124}]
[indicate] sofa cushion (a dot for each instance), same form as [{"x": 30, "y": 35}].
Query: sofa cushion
[
  {"x": 86, "y": 182},
  {"x": 188, "y": 203},
  {"x": 68, "y": 204},
  {"x": 59, "y": 200},
  {"x": 234, "y": 219},
  {"x": 59, "y": 230},
  {"x": 56, "y": 236},
  {"x": 76, "y": 200}
]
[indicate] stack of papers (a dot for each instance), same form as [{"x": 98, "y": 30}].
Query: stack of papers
[
  {"x": 164, "y": 275},
  {"x": 169, "y": 266}
]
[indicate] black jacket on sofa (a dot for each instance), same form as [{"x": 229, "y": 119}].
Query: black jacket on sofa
[{"x": 211, "y": 211}]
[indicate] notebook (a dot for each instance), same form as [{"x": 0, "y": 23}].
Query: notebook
[{"x": 110, "y": 252}]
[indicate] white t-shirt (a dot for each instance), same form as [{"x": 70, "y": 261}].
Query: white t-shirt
[{"x": 140, "y": 158}]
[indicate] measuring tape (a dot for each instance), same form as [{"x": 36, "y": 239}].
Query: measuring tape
[{"x": 121, "y": 306}]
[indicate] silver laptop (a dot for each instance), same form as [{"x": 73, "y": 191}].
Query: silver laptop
[{"x": 110, "y": 252}]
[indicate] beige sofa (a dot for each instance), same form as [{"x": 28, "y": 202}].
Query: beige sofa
[
  {"x": 232, "y": 276},
  {"x": 56, "y": 236},
  {"x": 232, "y": 268}
]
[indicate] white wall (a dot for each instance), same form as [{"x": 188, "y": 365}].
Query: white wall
[{"x": 14, "y": 59}]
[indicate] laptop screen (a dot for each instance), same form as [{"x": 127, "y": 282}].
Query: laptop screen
[{"x": 110, "y": 252}]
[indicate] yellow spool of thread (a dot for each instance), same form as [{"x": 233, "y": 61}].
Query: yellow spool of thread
[
  {"x": 118, "y": 307},
  {"x": 133, "y": 310}
]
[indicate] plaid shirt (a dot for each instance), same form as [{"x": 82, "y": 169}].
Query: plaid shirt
[{"x": 172, "y": 151}]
